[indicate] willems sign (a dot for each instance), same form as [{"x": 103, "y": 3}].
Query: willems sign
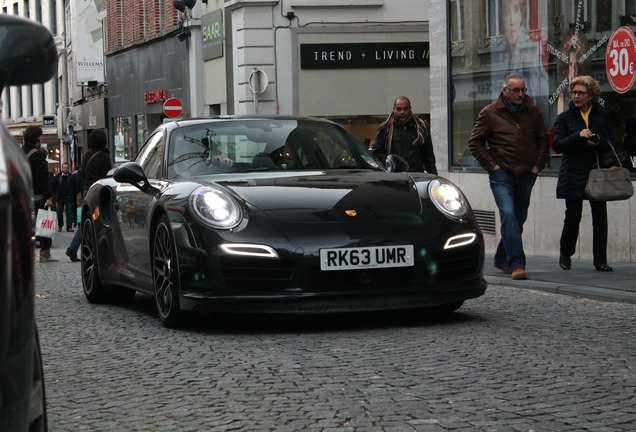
[{"x": 364, "y": 55}]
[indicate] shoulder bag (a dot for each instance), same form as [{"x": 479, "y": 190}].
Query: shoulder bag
[{"x": 609, "y": 184}]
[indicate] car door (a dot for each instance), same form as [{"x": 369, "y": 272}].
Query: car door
[{"x": 135, "y": 206}]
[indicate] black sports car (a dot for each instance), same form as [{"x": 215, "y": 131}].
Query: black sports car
[
  {"x": 27, "y": 56},
  {"x": 278, "y": 214}
]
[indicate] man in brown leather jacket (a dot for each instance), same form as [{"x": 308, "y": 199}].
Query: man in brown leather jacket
[{"x": 510, "y": 142}]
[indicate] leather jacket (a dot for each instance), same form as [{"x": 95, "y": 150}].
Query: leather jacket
[{"x": 517, "y": 146}]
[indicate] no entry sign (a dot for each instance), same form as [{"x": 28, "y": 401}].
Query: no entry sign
[
  {"x": 173, "y": 108},
  {"x": 620, "y": 59}
]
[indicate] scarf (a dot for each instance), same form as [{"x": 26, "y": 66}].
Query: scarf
[
  {"x": 420, "y": 125},
  {"x": 516, "y": 110}
]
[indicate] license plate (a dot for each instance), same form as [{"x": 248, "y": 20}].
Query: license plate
[{"x": 369, "y": 257}]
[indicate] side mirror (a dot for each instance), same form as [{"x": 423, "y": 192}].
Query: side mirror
[
  {"x": 133, "y": 173},
  {"x": 27, "y": 52},
  {"x": 395, "y": 163}
]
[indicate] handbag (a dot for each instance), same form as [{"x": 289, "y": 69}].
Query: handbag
[
  {"x": 609, "y": 184},
  {"x": 45, "y": 223}
]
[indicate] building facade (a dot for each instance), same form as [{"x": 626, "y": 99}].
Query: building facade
[
  {"x": 37, "y": 104},
  {"x": 549, "y": 42},
  {"x": 346, "y": 60}
]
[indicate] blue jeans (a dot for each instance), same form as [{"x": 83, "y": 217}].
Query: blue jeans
[
  {"x": 512, "y": 196},
  {"x": 77, "y": 239}
]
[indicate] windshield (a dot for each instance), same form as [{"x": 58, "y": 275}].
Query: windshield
[{"x": 249, "y": 145}]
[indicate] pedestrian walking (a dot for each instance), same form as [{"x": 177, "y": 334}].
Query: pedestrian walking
[
  {"x": 64, "y": 197},
  {"x": 509, "y": 141},
  {"x": 405, "y": 135},
  {"x": 579, "y": 133},
  {"x": 40, "y": 175},
  {"x": 95, "y": 165}
]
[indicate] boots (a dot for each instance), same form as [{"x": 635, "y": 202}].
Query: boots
[{"x": 45, "y": 256}]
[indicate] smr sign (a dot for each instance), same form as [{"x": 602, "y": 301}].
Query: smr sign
[
  {"x": 364, "y": 55},
  {"x": 48, "y": 121}
]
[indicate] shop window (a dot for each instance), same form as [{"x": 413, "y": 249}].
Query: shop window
[
  {"x": 124, "y": 138},
  {"x": 548, "y": 43}
]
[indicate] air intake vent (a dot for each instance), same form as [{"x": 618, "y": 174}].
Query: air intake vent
[{"x": 486, "y": 221}]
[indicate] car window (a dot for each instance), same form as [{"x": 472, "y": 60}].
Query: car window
[
  {"x": 151, "y": 155},
  {"x": 255, "y": 144}
]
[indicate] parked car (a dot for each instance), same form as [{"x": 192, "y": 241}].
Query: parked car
[
  {"x": 276, "y": 214},
  {"x": 27, "y": 56}
]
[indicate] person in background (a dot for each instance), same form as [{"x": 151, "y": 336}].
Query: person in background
[
  {"x": 95, "y": 165},
  {"x": 509, "y": 140},
  {"x": 64, "y": 194},
  {"x": 40, "y": 174},
  {"x": 579, "y": 132},
  {"x": 76, "y": 184},
  {"x": 407, "y": 136}
]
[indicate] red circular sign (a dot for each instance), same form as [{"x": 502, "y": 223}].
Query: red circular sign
[
  {"x": 173, "y": 108},
  {"x": 620, "y": 59}
]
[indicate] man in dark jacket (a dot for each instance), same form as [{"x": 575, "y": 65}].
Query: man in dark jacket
[
  {"x": 96, "y": 163},
  {"x": 407, "y": 136},
  {"x": 40, "y": 174},
  {"x": 62, "y": 189},
  {"x": 510, "y": 142}
]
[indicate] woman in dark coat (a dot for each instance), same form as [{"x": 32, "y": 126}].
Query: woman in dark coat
[{"x": 579, "y": 133}]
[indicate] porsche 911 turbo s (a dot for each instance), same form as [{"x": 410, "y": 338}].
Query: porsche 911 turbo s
[{"x": 275, "y": 214}]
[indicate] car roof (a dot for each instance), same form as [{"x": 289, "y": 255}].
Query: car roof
[{"x": 175, "y": 124}]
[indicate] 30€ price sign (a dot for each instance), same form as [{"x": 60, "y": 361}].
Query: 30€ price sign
[{"x": 620, "y": 59}]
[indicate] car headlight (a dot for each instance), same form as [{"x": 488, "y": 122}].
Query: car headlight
[
  {"x": 448, "y": 198},
  {"x": 216, "y": 208}
]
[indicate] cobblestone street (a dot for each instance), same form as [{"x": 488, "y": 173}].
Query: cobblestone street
[{"x": 513, "y": 360}]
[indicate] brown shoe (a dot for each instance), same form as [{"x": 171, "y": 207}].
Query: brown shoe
[
  {"x": 503, "y": 266},
  {"x": 45, "y": 257},
  {"x": 519, "y": 273}
]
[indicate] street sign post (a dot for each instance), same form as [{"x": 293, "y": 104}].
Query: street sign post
[
  {"x": 257, "y": 82},
  {"x": 173, "y": 108}
]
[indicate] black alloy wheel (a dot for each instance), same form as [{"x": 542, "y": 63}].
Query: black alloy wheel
[
  {"x": 93, "y": 288},
  {"x": 165, "y": 274}
]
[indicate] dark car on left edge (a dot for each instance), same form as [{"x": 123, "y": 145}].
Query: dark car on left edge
[{"x": 27, "y": 56}]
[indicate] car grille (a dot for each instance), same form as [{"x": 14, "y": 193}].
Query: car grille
[
  {"x": 463, "y": 261},
  {"x": 250, "y": 273},
  {"x": 264, "y": 275}
]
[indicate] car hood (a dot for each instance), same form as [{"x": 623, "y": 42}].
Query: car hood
[{"x": 331, "y": 195}]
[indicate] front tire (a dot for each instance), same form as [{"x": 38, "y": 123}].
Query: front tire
[
  {"x": 94, "y": 291},
  {"x": 165, "y": 275}
]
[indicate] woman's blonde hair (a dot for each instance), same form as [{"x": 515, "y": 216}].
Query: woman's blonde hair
[{"x": 592, "y": 86}]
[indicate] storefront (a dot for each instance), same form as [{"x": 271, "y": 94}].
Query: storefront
[
  {"x": 548, "y": 42},
  {"x": 140, "y": 81},
  {"x": 347, "y": 64}
]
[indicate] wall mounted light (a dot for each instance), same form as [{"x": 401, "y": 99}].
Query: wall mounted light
[
  {"x": 184, "y": 35},
  {"x": 181, "y": 5}
]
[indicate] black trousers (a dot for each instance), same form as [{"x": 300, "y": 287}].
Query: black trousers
[{"x": 570, "y": 233}]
